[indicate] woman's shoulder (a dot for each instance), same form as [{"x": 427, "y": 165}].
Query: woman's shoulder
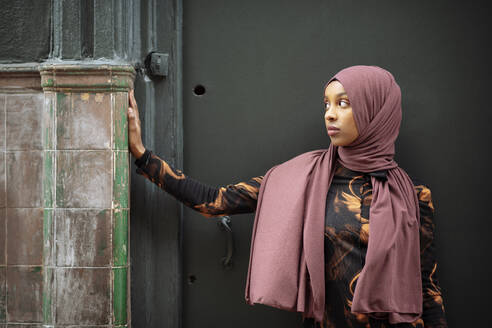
[
  {"x": 307, "y": 156},
  {"x": 298, "y": 163}
]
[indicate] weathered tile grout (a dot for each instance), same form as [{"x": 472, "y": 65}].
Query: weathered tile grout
[
  {"x": 53, "y": 253},
  {"x": 111, "y": 275},
  {"x": 5, "y": 198}
]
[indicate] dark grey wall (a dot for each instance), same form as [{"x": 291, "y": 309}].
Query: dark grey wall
[
  {"x": 37, "y": 30},
  {"x": 264, "y": 64},
  {"x": 93, "y": 29},
  {"x": 24, "y": 30}
]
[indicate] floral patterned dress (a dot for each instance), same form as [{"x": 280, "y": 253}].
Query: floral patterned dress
[{"x": 346, "y": 234}]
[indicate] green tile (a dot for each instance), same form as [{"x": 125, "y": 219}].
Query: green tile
[
  {"x": 120, "y": 125},
  {"x": 119, "y": 295},
  {"x": 121, "y": 177},
  {"x": 48, "y": 179},
  {"x": 120, "y": 237},
  {"x": 48, "y": 295},
  {"x": 49, "y": 82},
  {"x": 48, "y": 237},
  {"x": 121, "y": 82}
]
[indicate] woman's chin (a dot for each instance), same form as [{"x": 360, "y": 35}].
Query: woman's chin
[{"x": 335, "y": 141}]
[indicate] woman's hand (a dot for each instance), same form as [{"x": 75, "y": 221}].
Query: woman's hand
[{"x": 134, "y": 131}]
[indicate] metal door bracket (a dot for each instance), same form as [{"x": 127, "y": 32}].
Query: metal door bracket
[{"x": 157, "y": 64}]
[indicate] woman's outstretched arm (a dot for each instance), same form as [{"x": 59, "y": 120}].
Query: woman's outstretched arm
[
  {"x": 433, "y": 307},
  {"x": 208, "y": 201}
]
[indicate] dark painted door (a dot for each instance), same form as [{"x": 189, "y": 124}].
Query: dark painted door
[{"x": 263, "y": 65}]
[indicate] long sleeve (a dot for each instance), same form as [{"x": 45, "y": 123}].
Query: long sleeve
[
  {"x": 433, "y": 306},
  {"x": 207, "y": 200}
]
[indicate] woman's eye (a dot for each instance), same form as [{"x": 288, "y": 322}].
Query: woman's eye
[{"x": 342, "y": 103}]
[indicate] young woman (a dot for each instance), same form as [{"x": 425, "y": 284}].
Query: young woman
[{"x": 311, "y": 249}]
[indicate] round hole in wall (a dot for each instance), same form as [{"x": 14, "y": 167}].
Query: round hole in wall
[
  {"x": 191, "y": 279},
  {"x": 199, "y": 90}
]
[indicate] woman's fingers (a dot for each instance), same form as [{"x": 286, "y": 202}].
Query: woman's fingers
[
  {"x": 133, "y": 102},
  {"x": 131, "y": 115},
  {"x": 130, "y": 112},
  {"x": 132, "y": 99},
  {"x": 133, "y": 119},
  {"x": 134, "y": 133},
  {"x": 132, "y": 106}
]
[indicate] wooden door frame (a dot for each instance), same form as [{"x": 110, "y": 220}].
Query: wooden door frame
[{"x": 156, "y": 217}]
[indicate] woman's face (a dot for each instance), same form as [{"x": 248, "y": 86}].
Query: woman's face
[{"x": 339, "y": 120}]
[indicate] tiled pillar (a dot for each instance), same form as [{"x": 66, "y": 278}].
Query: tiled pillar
[{"x": 86, "y": 196}]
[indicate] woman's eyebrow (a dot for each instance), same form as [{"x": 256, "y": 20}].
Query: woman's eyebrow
[{"x": 338, "y": 95}]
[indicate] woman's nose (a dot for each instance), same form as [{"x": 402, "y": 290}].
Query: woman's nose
[{"x": 330, "y": 115}]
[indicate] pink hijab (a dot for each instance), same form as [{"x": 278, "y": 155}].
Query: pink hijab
[{"x": 286, "y": 266}]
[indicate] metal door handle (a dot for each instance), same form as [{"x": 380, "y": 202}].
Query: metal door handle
[{"x": 224, "y": 224}]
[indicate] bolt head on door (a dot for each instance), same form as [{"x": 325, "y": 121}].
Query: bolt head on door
[{"x": 157, "y": 64}]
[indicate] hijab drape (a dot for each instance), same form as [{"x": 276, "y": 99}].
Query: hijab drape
[{"x": 286, "y": 267}]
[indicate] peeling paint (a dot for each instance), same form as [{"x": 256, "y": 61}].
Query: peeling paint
[
  {"x": 83, "y": 296},
  {"x": 24, "y": 168},
  {"x": 49, "y": 83},
  {"x": 84, "y": 96},
  {"x": 83, "y": 237},
  {"x": 84, "y": 179},
  {"x": 24, "y": 121},
  {"x": 99, "y": 97},
  {"x": 25, "y": 294},
  {"x": 84, "y": 124}
]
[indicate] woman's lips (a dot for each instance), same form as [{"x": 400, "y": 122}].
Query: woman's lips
[{"x": 333, "y": 130}]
